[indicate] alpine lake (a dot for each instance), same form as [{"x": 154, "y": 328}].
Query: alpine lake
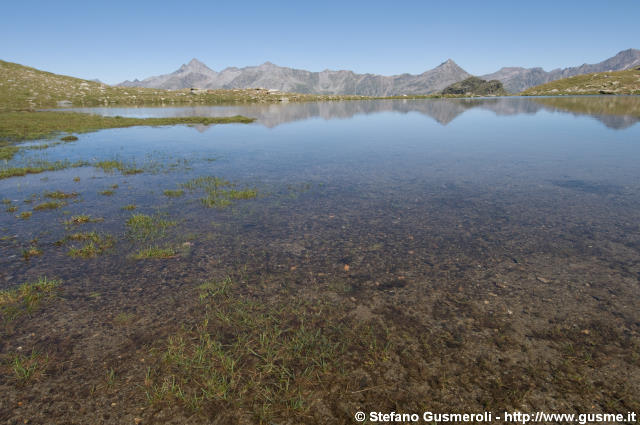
[{"x": 448, "y": 255}]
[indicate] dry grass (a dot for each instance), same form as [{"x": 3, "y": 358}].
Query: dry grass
[{"x": 619, "y": 82}]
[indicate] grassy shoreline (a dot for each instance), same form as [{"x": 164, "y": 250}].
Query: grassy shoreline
[
  {"x": 20, "y": 126},
  {"x": 23, "y": 126}
]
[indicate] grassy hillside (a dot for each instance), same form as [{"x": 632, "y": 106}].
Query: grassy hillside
[
  {"x": 618, "y": 82},
  {"x": 25, "y": 88}
]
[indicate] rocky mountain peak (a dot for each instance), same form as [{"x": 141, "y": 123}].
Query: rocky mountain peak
[
  {"x": 194, "y": 65},
  {"x": 449, "y": 63},
  {"x": 195, "y": 62}
]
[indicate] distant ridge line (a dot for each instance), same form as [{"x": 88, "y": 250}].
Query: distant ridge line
[{"x": 270, "y": 76}]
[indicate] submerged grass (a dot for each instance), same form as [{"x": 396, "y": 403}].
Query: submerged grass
[
  {"x": 60, "y": 195},
  {"x": 82, "y": 219},
  {"x": 38, "y": 167},
  {"x": 173, "y": 193},
  {"x": 155, "y": 252},
  {"x": 262, "y": 357},
  {"x": 124, "y": 318},
  {"x": 26, "y": 298},
  {"x": 146, "y": 227},
  {"x": 49, "y": 205},
  {"x": 29, "y": 368},
  {"x": 93, "y": 244},
  {"x": 32, "y": 251},
  {"x": 111, "y": 166},
  {"x": 219, "y": 193}
]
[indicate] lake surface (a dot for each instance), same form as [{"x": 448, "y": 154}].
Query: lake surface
[{"x": 497, "y": 242}]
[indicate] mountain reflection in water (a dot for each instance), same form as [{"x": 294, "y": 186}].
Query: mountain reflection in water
[{"x": 616, "y": 112}]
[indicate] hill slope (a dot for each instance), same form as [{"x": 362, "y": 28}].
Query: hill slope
[
  {"x": 474, "y": 86},
  {"x": 26, "y": 88},
  {"x": 620, "y": 82},
  {"x": 518, "y": 79},
  {"x": 270, "y": 76}
]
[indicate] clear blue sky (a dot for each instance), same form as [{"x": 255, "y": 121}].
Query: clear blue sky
[{"x": 118, "y": 40}]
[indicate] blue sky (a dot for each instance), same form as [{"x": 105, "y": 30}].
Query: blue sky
[{"x": 118, "y": 40}]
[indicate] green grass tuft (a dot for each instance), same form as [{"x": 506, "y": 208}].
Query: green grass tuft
[
  {"x": 145, "y": 227},
  {"x": 93, "y": 246},
  {"x": 173, "y": 193},
  {"x": 49, "y": 205},
  {"x": 81, "y": 219},
  {"x": 26, "y": 298},
  {"x": 111, "y": 166},
  {"x": 219, "y": 193},
  {"x": 29, "y": 368},
  {"x": 60, "y": 195}
]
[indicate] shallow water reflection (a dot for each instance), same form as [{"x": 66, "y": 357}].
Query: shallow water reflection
[{"x": 616, "y": 112}]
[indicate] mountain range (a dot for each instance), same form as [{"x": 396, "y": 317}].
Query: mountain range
[{"x": 196, "y": 74}]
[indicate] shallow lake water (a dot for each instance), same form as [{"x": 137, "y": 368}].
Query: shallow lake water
[{"x": 493, "y": 246}]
